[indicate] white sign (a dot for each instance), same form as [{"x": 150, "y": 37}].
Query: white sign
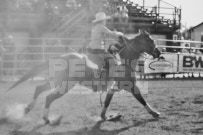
[
  {"x": 166, "y": 65},
  {"x": 190, "y": 63}
]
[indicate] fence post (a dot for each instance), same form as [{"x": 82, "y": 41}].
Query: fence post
[
  {"x": 178, "y": 62},
  {"x": 43, "y": 57},
  {"x": 2, "y": 65}
]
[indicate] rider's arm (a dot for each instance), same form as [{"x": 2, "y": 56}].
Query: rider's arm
[{"x": 111, "y": 33}]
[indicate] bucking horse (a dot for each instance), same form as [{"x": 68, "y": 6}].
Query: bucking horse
[{"x": 64, "y": 68}]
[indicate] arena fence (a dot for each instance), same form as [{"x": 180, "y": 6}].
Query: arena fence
[
  {"x": 18, "y": 59},
  {"x": 187, "y": 61}
]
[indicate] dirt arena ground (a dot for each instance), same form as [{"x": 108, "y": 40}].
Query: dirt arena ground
[{"x": 180, "y": 104}]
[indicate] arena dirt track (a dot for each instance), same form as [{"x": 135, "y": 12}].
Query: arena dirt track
[{"x": 180, "y": 104}]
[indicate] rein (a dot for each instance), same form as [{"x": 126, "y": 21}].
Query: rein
[
  {"x": 132, "y": 48},
  {"x": 127, "y": 46}
]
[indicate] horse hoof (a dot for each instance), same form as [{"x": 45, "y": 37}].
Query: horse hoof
[
  {"x": 27, "y": 110},
  {"x": 103, "y": 118},
  {"x": 55, "y": 120},
  {"x": 115, "y": 117},
  {"x": 46, "y": 121},
  {"x": 155, "y": 114}
]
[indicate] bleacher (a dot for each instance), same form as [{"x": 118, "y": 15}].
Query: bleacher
[
  {"x": 153, "y": 17},
  {"x": 57, "y": 17},
  {"x": 72, "y": 26}
]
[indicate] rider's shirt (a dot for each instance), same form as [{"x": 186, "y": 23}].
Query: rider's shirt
[{"x": 98, "y": 35}]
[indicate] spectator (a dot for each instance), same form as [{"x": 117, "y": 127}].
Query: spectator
[
  {"x": 116, "y": 15},
  {"x": 201, "y": 46},
  {"x": 26, "y": 4},
  {"x": 201, "y": 50},
  {"x": 123, "y": 14},
  {"x": 154, "y": 9},
  {"x": 71, "y": 4},
  {"x": 198, "y": 51},
  {"x": 106, "y": 6},
  {"x": 185, "y": 50},
  {"x": 163, "y": 50},
  {"x": 91, "y": 4},
  {"x": 55, "y": 10}
]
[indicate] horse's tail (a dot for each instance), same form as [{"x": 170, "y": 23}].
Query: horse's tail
[
  {"x": 33, "y": 72},
  {"x": 42, "y": 67}
]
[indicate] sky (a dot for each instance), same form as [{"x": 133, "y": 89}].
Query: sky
[{"x": 192, "y": 10}]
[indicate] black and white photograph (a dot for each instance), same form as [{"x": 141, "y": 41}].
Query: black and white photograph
[{"x": 101, "y": 67}]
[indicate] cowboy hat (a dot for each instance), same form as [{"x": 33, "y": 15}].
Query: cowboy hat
[{"x": 100, "y": 17}]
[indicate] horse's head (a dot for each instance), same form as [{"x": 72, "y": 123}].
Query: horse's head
[
  {"x": 144, "y": 43},
  {"x": 147, "y": 45}
]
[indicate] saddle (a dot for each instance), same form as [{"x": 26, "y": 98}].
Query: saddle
[{"x": 101, "y": 59}]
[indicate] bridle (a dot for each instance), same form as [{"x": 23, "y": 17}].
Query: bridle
[
  {"x": 134, "y": 50},
  {"x": 125, "y": 47}
]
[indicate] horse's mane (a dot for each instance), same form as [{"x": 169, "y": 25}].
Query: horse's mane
[
  {"x": 130, "y": 37},
  {"x": 123, "y": 40}
]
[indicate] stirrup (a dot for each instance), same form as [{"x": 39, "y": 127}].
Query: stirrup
[
  {"x": 97, "y": 73},
  {"x": 117, "y": 58}
]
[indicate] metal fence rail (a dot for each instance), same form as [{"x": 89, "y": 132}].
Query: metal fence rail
[
  {"x": 15, "y": 62},
  {"x": 18, "y": 58}
]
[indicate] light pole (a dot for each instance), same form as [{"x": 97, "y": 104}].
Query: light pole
[{"x": 158, "y": 6}]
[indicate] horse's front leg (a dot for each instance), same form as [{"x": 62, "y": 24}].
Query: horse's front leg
[
  {"x": 136, "y": 93},
  {"x": 107, "y": 101},
  {"x": 39, "y": 89}
]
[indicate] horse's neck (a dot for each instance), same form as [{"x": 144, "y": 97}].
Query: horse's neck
[{"x": 129, "y": 55}]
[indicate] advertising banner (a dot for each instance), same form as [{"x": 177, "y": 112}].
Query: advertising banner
[
  {"x": 190, "y": 63},
  {"x": 166, "y": 65}
]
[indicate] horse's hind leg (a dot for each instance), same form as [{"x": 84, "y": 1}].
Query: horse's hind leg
[
  {"x": 107, "y": 101},
  {"x": 39, "y": 89},
  {"x": 136, "y": 93},
  {"x": 49, "y": 99},
  {"x": 109, "y": 96}
]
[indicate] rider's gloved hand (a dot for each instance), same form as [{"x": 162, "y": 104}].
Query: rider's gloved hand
[
  {"x": 113, "y": 48},
  {"x": 120, "y": 34}
]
